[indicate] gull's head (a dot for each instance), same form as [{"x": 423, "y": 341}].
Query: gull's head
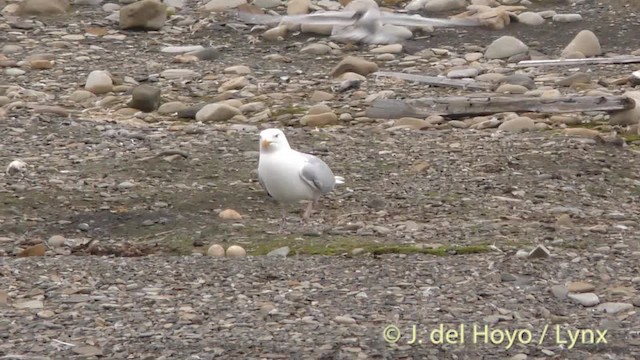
[{"x": 272, "y": 140}]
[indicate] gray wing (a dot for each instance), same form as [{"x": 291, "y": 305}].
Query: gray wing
[
  {"x": 417, "y": 20},
  {"x": 317, "y": 174},
  {"x": 328, "y": 17},
  {"x": 350, "y": 34}
]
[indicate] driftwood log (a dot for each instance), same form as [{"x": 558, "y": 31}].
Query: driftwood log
[
  {"x": 461, "y": 106},
  {"x": 586, "y": 61},
  {"x": 435, "y": 80}
]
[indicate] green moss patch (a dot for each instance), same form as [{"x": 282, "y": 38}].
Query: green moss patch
[{"x": 347, "y": 245}]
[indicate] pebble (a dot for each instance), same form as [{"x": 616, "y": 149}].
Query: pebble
[
  {"x": 29, "y": 304},
  {"x": 145, "y": 98},
  {"x": 229, "y": 214},
  {"x": 171, "y": 107},
  {"x": 520, "y": 123},
  {"x": 530, "y": 18},
  {"x": 580, "y": 287},
  {"x": 177, "y": 74},
  {"x": 354, "y": 64},
  {"x": 463, "y": 73},
  {"x": 320, "y": 96},
  {"x": 181, "y": 49},
  {"x": 511, "y": 89},
  {"x": 316, "y": 49},
  {"x": 391, "y": 49},
  {"x": 235, "y": 251},
  {"x": 216, "y": 112},
  {"x": 565, "y": 18},
  {"x": 215, "y": 250},
  {"x": 559, "y": 291},
  {"x": 298, "y": 7},
  {"x": 282, "y": 251},
  {"x": 585, "y": 42},
  {"x": 99, "y": 82},
  {"x": 444, "y": 5},
  {"x": 14, "y": 72},
  {"x": 143, "y": 14},
  {"x": 518, "y": 79},
  {"x": 504, "y": 47},
  {"x": 614, "y": 307},
  {"x": 540, "y": 252},
  {"x": 56, "y": 241},
  {"x": 317, "y": 120},
  {"x": 42, "y": 7},
  {"x": 238, "y": 70},
  {"x": 345, "y": 320},
  {"x": 585, "y": 299}
]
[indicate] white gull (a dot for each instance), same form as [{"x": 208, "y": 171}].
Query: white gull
[{"x": 290, "y": 176}]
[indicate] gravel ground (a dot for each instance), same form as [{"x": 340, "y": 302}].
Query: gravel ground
[
  {"x": 119, "y": 187},
  {"x": 313, "y": 307}
]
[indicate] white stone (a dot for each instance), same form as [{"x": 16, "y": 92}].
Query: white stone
[
  {"x": 99, "y": 82},
  {"x": 504, "y": 47},
  {"x": 181, "y": 49}
]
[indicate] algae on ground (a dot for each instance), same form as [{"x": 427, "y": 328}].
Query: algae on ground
[{"x": 346, "y": 245}]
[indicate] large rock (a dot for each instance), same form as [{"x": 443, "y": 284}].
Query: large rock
[
  {"x": 505, "y": 47},
  {"x": 316, "y": 49},
  {"x": 444, "y": 5},
  {"x": 320, "y": 29},
  {"x": 221, "y": 5},
  {"x": 628, "y": 117},
  {"x": 99, "y": 82},
  {"x": 316, "y": 120},
  {"x": 145, "y": 98},
  {"x": 144, "y": 14},
  {"x": 520, "y": 123},
  {"x": 530, "y": 18},
  {"x": 42, "y": 7},
  {"x": 354, "y": 64},
  {"x": 298, "y": 7},
  {"x": 216, "y": 112},
  {"x": 397, "y": 31},
  {"x": 586, "y": 43}
]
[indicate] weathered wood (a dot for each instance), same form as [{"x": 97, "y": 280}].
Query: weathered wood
[
  {"x": 435, "y": 80},
  {"x": 458, "y": 106},
  {"x": 586, "y": 61}
]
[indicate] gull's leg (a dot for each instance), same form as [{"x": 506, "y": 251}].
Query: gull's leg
[
  {"x": 307, "y": 212},
  {"x": 284, "y": 219}
]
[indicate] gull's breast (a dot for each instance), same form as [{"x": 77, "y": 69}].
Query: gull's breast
[{"x": 281, "y": 177}]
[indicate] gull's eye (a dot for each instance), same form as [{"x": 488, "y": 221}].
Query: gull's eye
[{"x": 276, "y": 136}]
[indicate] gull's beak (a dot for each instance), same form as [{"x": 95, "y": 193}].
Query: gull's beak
[{"x": 265, "y": 144}]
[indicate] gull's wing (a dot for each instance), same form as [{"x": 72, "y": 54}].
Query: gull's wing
[
  {"x": 317, "y": 174},
  {"x": 417, "y": 20},
  {"x": 327, "y": 17},
  {"x": 351, "y": 34}
]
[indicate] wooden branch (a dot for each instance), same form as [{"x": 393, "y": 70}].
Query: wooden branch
[
  {"x": 562, "y": 62},
  {"x": 435, "y": 80},
  {"x": 459, "y": 106}
]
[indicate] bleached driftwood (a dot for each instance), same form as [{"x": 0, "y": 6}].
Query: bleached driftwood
[
  {"x": 459, "y": 106},
  {"x": 435, "y": 80},
  {"x": 586, "y": 61}
]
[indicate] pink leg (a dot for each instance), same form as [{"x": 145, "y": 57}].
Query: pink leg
[
  {"x": 307, "y": 212},
  {"x": 284, "y": 219}
]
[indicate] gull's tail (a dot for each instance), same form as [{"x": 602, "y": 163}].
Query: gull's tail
[{"x": 339, "y": 180}]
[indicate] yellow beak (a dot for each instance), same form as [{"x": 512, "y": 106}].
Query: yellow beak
[{"x": 265, "y": 144}]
